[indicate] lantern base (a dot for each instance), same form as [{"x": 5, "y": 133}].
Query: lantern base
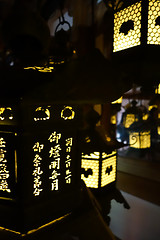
[
  {"x": 19, "y": 218},
  {"x": 84, "y": 222}
]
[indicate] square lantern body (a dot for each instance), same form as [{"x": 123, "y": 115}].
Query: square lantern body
[
  {"x": 140, "y": 139},
  {"x": 39, "y": 164},
  {"x": 99, "y": 169},
  {"x": 137, "y": 30}
]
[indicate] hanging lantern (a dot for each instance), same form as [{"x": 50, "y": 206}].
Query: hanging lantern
[
  {"x": 139, "y": 135},
  {"x": 99, "y": 162},
  {"x": 136, "y": 40},
  {"x": 137, "y": 23}
]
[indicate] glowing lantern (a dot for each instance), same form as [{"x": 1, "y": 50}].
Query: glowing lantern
[
  {"x": 99, "y": 169},
  {"x": 136, "y": 24},
  {"x": 99, "y": 161},
  {"x": 39, "y": 174},
  {"x": 140, "y": 135}
]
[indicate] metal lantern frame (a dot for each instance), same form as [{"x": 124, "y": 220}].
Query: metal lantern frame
[
  {"x": 137, "y": 30},
  {"x": 98, "y": 161},
  {"x": 99, "y": 169},
  {"x": 39, "y": 163}
]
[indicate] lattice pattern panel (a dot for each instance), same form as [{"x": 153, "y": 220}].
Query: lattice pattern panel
[
  {"x": 124, "y": 37},
  {"x": 153, "y": 36},
  {"x": 108, "y": 170},
  {"x": 91, "y": 180},
  {"x": 140, "y": 140}
]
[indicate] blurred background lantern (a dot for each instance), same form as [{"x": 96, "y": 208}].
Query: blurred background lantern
[{"x": 140, "y": 135}]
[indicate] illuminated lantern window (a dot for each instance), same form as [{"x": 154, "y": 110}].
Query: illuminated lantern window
[
  {"x": 127, "y": 27},
  {"x": 137, "y": 23},
  {"x": 157, "y": 90},
  {"x": 139, "y": 135},
  {"x": 99, "y": 161},
  {"x": 131, "y": 115},
  {"x": 98, "y": 169}
]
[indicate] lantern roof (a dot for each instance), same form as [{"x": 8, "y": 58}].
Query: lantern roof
[{"x": 89, "y": 79}]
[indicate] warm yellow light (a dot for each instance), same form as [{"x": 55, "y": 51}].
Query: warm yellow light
[
  {"x": 40, "y": 69},
  {"x": 157, "y": 91},
  {"x": 2, "y": 112},
  {"x": 108, "y": 173},
  {"x": 91, "y": 180},
  {"x": 4, "y": 173},
  {"x": 67, "y": 113},
  {"x": 129, "y": 119},
  {"x": 122, "y": 41},
  {"x": 140, "y": 140},
  {"x": 94, "y": 170},
  {"x": 119, "y": 100},
  {"x": 158, "y": 130},
  {"x": 145, "y": 116},
  {"x": 153, "y": 35},
  {"x": 113, "y": 119},
  {"x": 152, "y": 106},
  {"x": 42, "y": 111}
]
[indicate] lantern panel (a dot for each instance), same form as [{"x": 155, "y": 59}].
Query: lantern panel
[
  {"x": 145, "y": 139},
  {"x": 153, "y": 35},
  {"x": 140, "y": 140},
  {"x": 127, "y": 27},
  {"x": 129, "y": 119},
  {"x": 108, "y": 174},
  {"x": 51, "y": 145},
  {"x": 134, "y": 140},
  {"x": 91, "y": 167},
  {"x": 157, "y": 90}
]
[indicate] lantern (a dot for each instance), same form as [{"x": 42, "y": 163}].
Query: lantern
[
  {"x": 137, "y": 38},
  {"x": 136, "y": 24},
  {"x": 140, "y": 135},
  {"x": 39, "y": 163},
  {"x": 99, "y": 160},
  {"x": 99, "y": 169}
]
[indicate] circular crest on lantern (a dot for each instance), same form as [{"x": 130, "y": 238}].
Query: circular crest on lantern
[{"x": 67, "y": 113}]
